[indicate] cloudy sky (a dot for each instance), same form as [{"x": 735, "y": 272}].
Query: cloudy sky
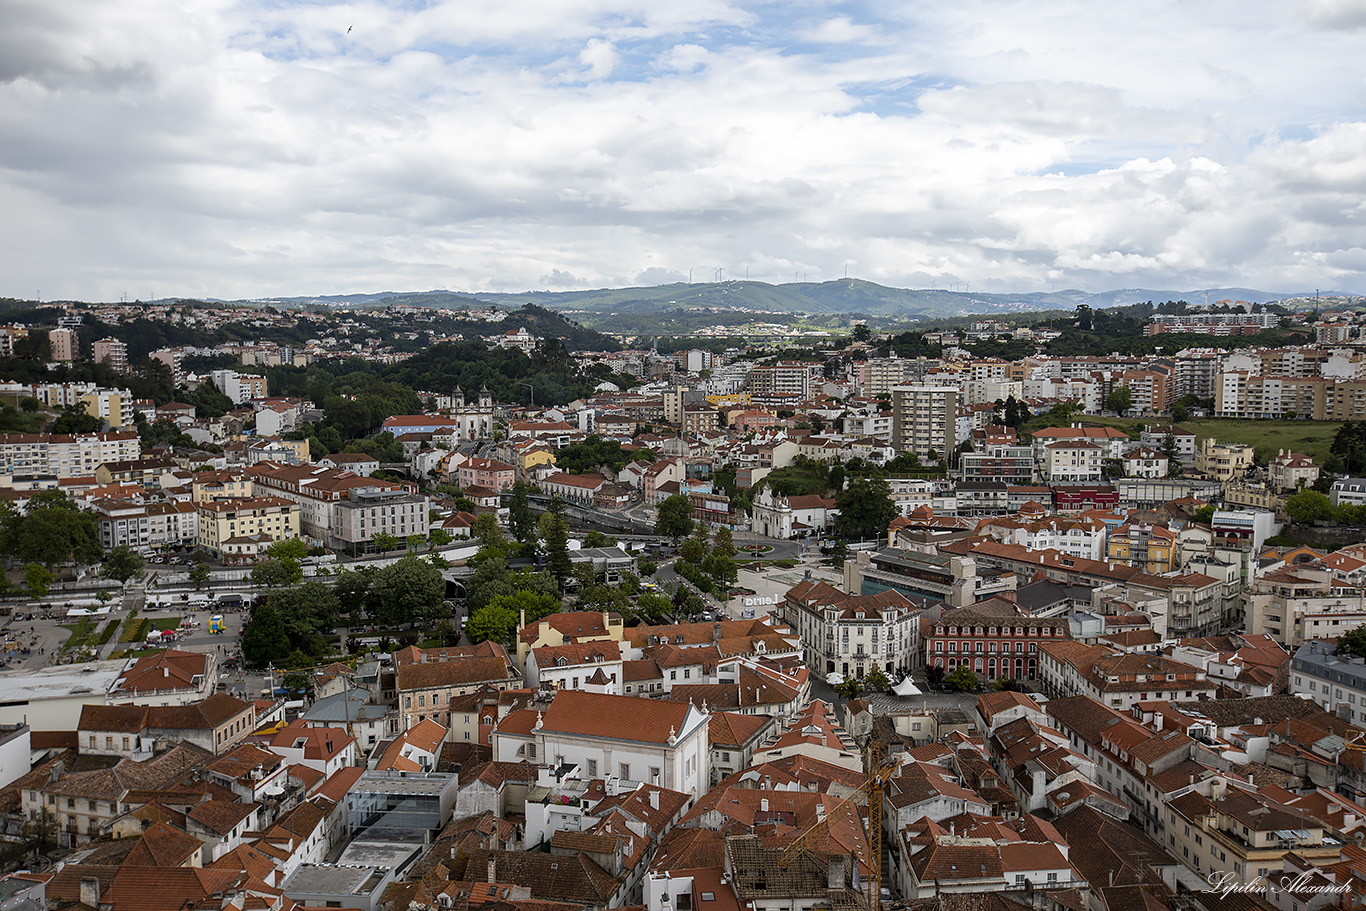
[{"x": 267, "y": 147}]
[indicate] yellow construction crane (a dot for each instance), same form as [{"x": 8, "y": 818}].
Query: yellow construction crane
[
  {"x": 1357, "y": 743},
  {"x": 878, "y": 774}
]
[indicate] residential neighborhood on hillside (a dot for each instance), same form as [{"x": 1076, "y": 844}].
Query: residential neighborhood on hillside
[{"x": 362, "y": 615}]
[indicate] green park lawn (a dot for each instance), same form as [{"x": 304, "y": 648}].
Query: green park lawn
[{"x": 1309, "y": 437}]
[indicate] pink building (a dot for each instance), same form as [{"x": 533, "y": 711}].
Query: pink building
[
  {"x": 490, "y": 473},
  {"x": 756, "y": 419}
]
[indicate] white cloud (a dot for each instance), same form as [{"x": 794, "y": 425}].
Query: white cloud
[
  {"x": 600, "y": 57},
  {"x": 843, "y": 30},
  {"x": 1337, "y": 14},
  {"x": 242, "y": 149}
]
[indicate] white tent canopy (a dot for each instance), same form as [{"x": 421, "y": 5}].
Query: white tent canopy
[{"x": 906, "y": 687}]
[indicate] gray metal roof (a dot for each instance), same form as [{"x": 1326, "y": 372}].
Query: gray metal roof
[
  {"x": 1318, "y": 659},
  {"x": 343, "y": 707}
]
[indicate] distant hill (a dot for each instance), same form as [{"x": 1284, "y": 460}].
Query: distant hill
[
  {"x": 597, "y": 307},
  {"x": 850, "y": 296}
]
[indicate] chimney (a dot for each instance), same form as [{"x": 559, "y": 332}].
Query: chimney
[
  {"x": 90, "y": 891},
  {"x": 654, "y": 800},
  {"x": 165, "y": 671},
  {"x": 493, "y": 868}
]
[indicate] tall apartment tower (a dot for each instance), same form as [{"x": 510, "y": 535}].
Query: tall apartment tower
[
  {"x": 925, "y": 420},
  {"x": 112, "y": 352},
  {"x": 63, "y": 344}
]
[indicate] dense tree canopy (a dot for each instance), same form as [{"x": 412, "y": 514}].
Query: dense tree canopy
[
  {"x": 595, "y": 453},
  {"x": 265, "y": 639},
  {"x": 1349, "y": 449},
  {"x": 554, "y": 529},
  {"x": 122, "y": 563},
  {"x": 1308, "y": 506},
  {"x": 308, "y": 612},
  {"x": 496, "y": 623},
  {"x": 54, "y": 530},
  {"x": 410, "y": 590},
  {"x": 1353, "y": 642},
  {"x": 521, "y": 520},
  {"x": 1119, "y": 400},
  {"x": 673, "y": 517},
  {"x": 866, "y": 508}
]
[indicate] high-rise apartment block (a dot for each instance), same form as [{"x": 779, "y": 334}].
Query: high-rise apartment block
[
  {"x": 112, "y": 352},
  {"x": 783, "y": 378},
  {"x": 63, "y": 344},
  {"x": 924, "y": 419}
]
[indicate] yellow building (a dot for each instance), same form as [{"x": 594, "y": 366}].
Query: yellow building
[
  {"x": 142, "y": 472},
  {"x": 734, "y": 400},
  {"x": 1240, "y": 836},
  {"x": 109, "y": 405},
  {"x": 570, "y": 627},
  {"x": 1222, "y": 461},
  {"x": 220, "y": 520},
  {"x": 531, "y": 456},
  {"x": 220, "y": 485},
  {"x": 300, "y": 447},
  {"x": 1242, "y": 495},
  {"x": 1150, "y": 548}
]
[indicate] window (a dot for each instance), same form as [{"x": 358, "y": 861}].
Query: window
[
  {"x": 92, "y": 741},
  {"x": 592, "y": 768},
  {"x": 654, "y": 771},
  {"x": 108, "y": 742},
  {"x": 624, "y": 770}
]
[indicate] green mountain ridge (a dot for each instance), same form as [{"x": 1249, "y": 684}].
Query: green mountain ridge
[{"x": 831, "y": 298}]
